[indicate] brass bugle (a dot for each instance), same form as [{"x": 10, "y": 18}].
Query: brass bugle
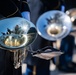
[{"x": 54, "y": 25}]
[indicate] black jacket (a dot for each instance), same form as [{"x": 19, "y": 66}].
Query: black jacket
[
  {"x": 70, "y": 4},
  {"x": 10, "y": 8}
]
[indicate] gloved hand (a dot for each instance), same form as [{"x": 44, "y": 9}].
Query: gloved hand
[
  {"x": 26, "y": 15},
  {"x": 63, "y": 8}
]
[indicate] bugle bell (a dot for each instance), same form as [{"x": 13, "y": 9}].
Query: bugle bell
[
  {"x": 15, "y": 35},
  {"x": 54, "y": 25}
]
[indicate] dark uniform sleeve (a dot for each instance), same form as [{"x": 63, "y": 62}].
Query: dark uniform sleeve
[
  {"x": 24, "y": 6},
  {"x": 51, "y": 4},
  {"x": 8, "y": 8},
  {"x": 69, "y": 4}
]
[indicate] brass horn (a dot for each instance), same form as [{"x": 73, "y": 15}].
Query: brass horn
[
  {"x": 15, "y": 35},
  {"x": 54, "y": 25},
  {"x": 72, "y": 14}
]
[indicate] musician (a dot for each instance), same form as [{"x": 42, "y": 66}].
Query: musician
[
  {"x": 36, "y": 65},
  {"x": 11, "y": 8}
]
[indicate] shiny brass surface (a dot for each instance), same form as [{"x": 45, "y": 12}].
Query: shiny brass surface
[
  {"x": 16, "y": 33},
  {"x": 54, "y": 25}
]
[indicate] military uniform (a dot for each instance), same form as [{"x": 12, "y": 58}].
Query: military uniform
[
  {"x": 37, "y": 8},
  {"x": 10, "y": 8}
]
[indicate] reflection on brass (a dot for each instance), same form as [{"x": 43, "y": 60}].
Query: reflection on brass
[
  {"x": 53, "y": 30},
  {"x": 17, "y": 38},
  {"x": 16, "y": 34},
  {"x": 12, "y": 41},
  {"x": 54, "y": 25}
]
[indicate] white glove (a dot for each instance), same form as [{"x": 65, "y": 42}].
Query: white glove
[
  {"x": 63, "y": 8},
  {"x": 26, "y": 15}
]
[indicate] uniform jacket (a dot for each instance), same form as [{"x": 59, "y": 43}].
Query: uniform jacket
[
  {"x": 69, "y": 4},
  {"x": 10, "y": 8}
]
